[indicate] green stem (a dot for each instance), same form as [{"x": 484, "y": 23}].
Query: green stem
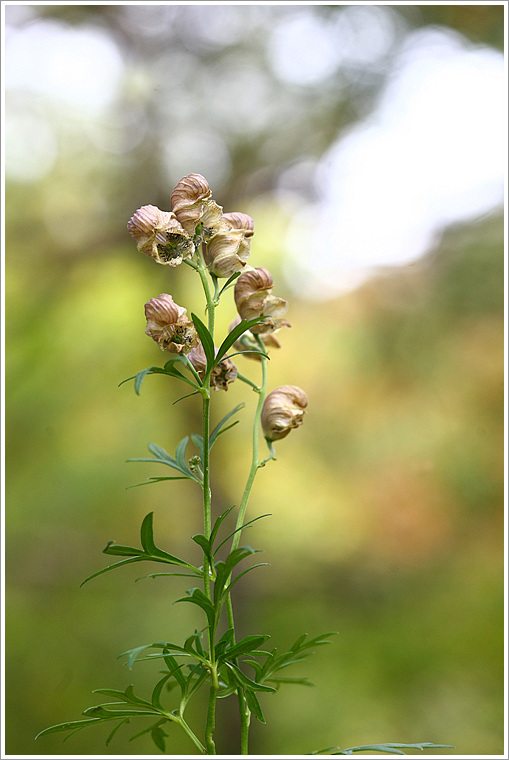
[
  {"x": 245, "y": 714},
  {"x": 192, "y": 735}
]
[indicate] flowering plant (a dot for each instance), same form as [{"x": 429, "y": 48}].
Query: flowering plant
[{"x": 216, "y": 246}]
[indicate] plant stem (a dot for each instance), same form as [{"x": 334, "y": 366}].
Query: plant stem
[
  {"x": 207, "y": 517},
  {"x": 245, "y": 714}
]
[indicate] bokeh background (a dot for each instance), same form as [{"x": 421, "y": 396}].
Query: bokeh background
[{"x": 367, "y": 142}]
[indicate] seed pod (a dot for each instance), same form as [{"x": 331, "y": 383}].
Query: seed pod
[
  {"x": 253, "y": 299},
  {"x": 191, "y": 203},
  {"x": 221, "y": 376},
  {"x": 283, "y": 410},
  {"x": 160, "y": 235},
  {"x": 168, "y": 325}
]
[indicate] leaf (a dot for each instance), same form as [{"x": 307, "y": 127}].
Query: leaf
[
  {"x": 220, "y": 424},
  {"x": 204, "y": 543},
  {"x": 226, "y": 640},
  {"x": 175, "y": 669},
  {"x": 69, "y": 726},
  {"x": 121, "y": 723},
  {"x": 150, "y": 481},
  {"x": 224, "y": 569},
  {"x": 240, "y": 329},
  {"x": 180, "y": 455},
  {"x": 148, "y": 729},
  {"x": 218, "y": 524},
  {"x": 198, "y": 597},
  {"x": 245, "y": 525},
  {"x": 246, "y": 682},
  {"x": 206, "y": 341},
  {"x": 110, "y": 567},
  {"x": 393, "y": 749},
  {"x": 160, "y": 453},
  {"x": 254, "y": 706},
  {"x": 246, "y": 644},
  {"x": 126, "y": 696},
  {"x": 198, "y": 442},
  {"x": 158, "y": 737},
  {"x": 239, "y": 576},
  {"x": 156, "y": 693}
]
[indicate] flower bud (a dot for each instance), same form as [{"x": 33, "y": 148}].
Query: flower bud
[
  {"x": 247, "y": 341},
  {"x": 283, "y": 410},
  {"x": 221, "y": 376},
  {"x": 168, "y": 325},
  {"x": 160, "y": 235},
  {"x": 253, "y": 299},
  {"x": 191, "y": 203}
]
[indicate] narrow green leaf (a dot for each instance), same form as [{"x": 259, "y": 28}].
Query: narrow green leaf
[
  {"x": 226, "y": 640},
  {"x": 254, "y": 705},
  {"x": 228, "y": 283},
  {"x": 151, "y": 480},
  {"x": 156, "y": 693},
  {"x": 126, "y": 696},
  {"x": 246, "y": 682},
  {"x": 199, "y": 598},
  {"x": 187, "y": 395},
  {"x": 69, "y": 726},
  {"x": 112, "y": 734},
  {"x": 218, "y": 524},
  {"x": 206, "y": 340},
  {"x": 245, "y": 525},
  {"x": 180, "y": 455},
  {"x": 237, "y": 331},
  {"x": 220, "y": 424},
  {"x": 174, "y": 668},
  {"x": 244, "y": 572},
  {"x": 148, "y": 729},
  {"x": 160, "y": 453},
  {"x": 110, "y": 567},
  {"x": 198, "y": 442},
  {"x": 103, "y": 712},
  {"x": 245, "y": 645},
  {"x": 122, "y": 551},
  {"x": 204, "y": 543}
]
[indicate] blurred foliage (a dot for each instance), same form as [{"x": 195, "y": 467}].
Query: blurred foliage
[{"x": 386, "y": 506}]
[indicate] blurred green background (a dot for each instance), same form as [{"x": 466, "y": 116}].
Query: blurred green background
[{"x": 387, "y": 505}]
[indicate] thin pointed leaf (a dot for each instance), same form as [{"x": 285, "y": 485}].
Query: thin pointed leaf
[
  {"x": 180, "y": 455},
  {"x": 147, "y": 730},
  {"x": 112, "y": 734},
  {"x": 218, "y": 524},
  {"x": 110, "y": 567},
  {"x": 245, "y": 525},
  {"x": 254, "y": 706},
  {"x": 151, "y": 480},
  {"x": 69, "y": 726},
  {"x": 220, "y": 424},
  {"x": 204, "y": 543},
  {"x": 206, "y": 340},
  {"x": 187, "y": 395},
  {"x": 156, "y": 693},
  {"x": 245, "y": 645},
  {"x": 245, "y": 682},
  {"x": 228, "y": 282},
  {"x": 240, "y": 329},
  {"x": 125, "y": 696},
  {"x": 158, "y": 737},
  {"x": 198, "y": 597},
  {"x": 174, "y": 668}
]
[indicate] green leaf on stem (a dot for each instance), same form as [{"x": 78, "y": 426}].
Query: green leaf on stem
[
  {"x": 254, "y": 705},
  {"x": 393, "y": 749},
  {"x": 156, "y": 693},
  {"x": 221, "y": 423},
  {"x": 226, "y": 640},
  {"x": 223, "y": 570},
  {"x": 206, "y": 341},
  {"x": 112, "y": 734},
  {"x": 196, "y": 596},
  {"x": 247, "y": 683},
  {"x": 218, "y": 524},
  {"x": 245, "y": 645},
  {"x": 158, "y": 737},
  {"x": 240, "y": 329},
  {"x": 125, "y": 696}
]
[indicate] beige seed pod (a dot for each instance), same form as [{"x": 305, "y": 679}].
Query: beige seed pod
[
  {"x": 254, "y": 299},
  {"x": 191, "y": 203},
  {"x": 283, "y": 410},
  {"x": 239, "y": 221},
  {"x": 160, "y": 235},
  {"x": 168, "y": 325}
]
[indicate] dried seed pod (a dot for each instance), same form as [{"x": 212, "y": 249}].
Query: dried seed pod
[
  {"x": 191, "y": 203},
  {"x": 227, "y": 252},
  {"x": 239, "y": 221},
  {"x": 221, "y": 376},
  {"x": 283, "y": 410},
  {"x": 253, "y": 299},
  {"x": 168, "y": 325},
  {"x": 160, "y": 235}
]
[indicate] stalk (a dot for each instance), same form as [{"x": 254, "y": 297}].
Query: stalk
[{"x": 245, "y": 713}]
